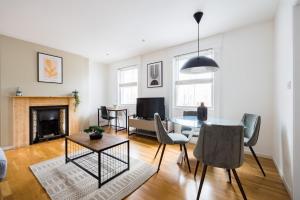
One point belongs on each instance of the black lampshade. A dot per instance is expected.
(199, 64)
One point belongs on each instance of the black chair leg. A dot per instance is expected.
(187, 157)
(202, 181)
(229, 175)
(196, 170)
(157, 150)
(161, 157)
(239, 184)
(252, 151)
(180, 147)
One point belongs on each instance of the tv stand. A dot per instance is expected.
(145, 126)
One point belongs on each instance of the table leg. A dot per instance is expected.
(116, 121)
(98, 118)
(128, 155)
(66, 150)
(126, 119)
(99, 170)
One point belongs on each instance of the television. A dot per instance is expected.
(146, 107)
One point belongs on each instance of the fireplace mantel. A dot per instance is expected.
(20, 115)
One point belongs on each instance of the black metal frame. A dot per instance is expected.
(117, 128)
(31, 108)
(100, 153)
(161, 71)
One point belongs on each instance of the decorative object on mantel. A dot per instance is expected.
(199, 64)
(155, 74)
(50, 68)
(76, 97)
(95, 132)
(19, 93)
(202, 112)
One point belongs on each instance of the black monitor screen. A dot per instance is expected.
(146, 107)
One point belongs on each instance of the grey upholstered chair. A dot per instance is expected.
(165, 138)
(185, 114)
(251, 124)
(221, 146)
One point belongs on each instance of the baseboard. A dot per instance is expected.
(283, 180)
(247, 151)
(7, 148)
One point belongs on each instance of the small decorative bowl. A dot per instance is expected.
(96, 136)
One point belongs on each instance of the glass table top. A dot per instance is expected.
(193, 122)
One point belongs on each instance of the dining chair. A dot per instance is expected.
(165, 138)
(221, 146)
(186, 114)
(251, 124)
(105, 115)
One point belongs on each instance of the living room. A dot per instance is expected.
(104, 69)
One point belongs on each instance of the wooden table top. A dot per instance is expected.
(106, 142)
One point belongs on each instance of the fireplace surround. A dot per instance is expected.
(48, 122)
(20, 123)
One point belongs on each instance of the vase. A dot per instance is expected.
(96, 136)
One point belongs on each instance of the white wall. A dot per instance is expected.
(18, 68)
(296, 155)
(283, 76)
(243, 84)
(98, 89)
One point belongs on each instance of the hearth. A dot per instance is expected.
(48, 122)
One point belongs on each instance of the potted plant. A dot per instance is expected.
(76, 97)
(95, 132)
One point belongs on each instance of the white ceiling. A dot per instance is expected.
(95, 28)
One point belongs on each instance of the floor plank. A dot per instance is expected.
(172, 182)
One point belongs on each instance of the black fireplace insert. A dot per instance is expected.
(48, 122)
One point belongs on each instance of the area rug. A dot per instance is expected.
(69, 182)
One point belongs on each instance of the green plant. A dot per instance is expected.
(76, 97)
(93, 129)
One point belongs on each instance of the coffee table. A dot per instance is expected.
(104, 159)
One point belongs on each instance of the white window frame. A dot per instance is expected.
(192, 81)
(128, 84)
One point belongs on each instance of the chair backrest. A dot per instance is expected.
(104, 113)
(251, 124)
(161, 132)
(222, 146)
(189, 113)
(185, 114)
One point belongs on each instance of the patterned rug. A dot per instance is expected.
(69, 182)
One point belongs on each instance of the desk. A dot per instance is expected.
(193, 122)
(116, 110)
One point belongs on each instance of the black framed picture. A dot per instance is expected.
(155, 74)
(50, 68)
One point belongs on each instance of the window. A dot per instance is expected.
(127, 82)
(192, 89)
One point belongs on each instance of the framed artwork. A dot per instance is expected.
(50, 68)
(155, 74)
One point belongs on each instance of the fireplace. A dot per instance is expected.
(48, 122)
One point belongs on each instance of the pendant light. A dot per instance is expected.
(199, 64)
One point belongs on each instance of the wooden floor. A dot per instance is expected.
(172, 182)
